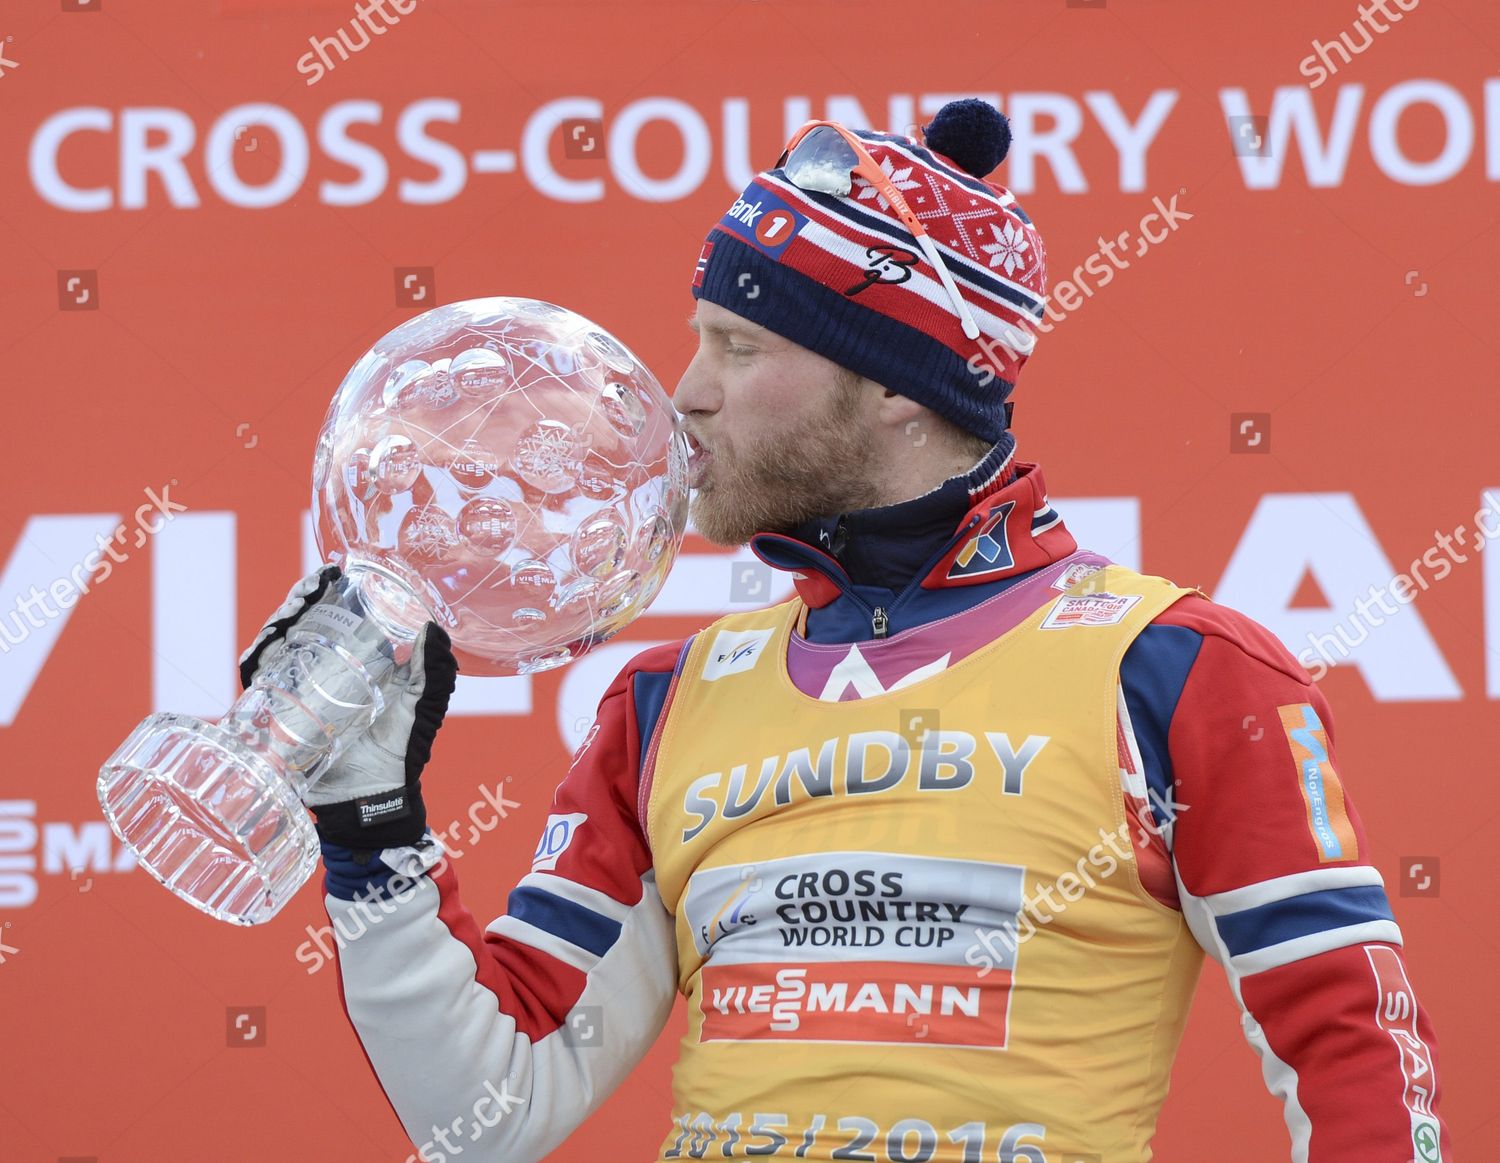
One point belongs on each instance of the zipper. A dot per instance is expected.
(879, 618)
(880, 621)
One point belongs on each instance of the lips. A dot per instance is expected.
(699, 458)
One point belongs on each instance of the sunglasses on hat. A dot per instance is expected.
(824, 158)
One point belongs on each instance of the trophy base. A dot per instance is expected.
(209, 818)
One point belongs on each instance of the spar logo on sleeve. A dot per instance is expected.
(763, 219)
(1396, 1013)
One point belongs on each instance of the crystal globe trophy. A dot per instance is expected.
(500, 466)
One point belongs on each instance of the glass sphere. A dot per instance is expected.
(508, 469)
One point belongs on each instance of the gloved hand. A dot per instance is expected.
(370, 797)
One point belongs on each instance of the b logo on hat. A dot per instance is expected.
(887, 264)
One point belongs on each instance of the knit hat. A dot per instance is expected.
(844, 276)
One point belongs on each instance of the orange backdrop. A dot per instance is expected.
(1284, 400)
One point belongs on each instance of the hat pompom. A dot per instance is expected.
(972, 132)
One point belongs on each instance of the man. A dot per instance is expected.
(934, 849)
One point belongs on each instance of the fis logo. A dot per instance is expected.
(988, 551)
(733, 652)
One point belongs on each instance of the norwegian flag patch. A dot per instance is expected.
(708, 249)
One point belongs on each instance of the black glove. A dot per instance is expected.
(370, 797)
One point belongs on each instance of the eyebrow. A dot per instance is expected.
(738, 326)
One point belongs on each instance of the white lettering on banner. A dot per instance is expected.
(1289, 535)
(1107, 525)
(369, 163)
(740, 163)
(42, 159)
(85, 847)
(1325, 535)
(1293, 113)
(45, 541)
(1458, 129)
(697, 149)
(139, 158)
(1325, 155)
(17, 853)
(1131, 141)
(74, 849)
(412, 136)
(159, 143)
(220, 149)
(536, 161)
(193, 579)
(700, 582)
(1044, 125)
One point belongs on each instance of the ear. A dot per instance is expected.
(908, 422)
(894, 410)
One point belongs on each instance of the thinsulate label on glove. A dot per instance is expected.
(378, 809)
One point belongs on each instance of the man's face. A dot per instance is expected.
(780, 434)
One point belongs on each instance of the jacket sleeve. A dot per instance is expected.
(495, 1042)
(1274, 876)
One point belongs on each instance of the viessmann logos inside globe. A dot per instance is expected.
(90, 158)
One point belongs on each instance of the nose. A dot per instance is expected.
(697, 391)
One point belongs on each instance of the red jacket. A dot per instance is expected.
(1248, 828)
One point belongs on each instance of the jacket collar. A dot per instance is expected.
(988, 524)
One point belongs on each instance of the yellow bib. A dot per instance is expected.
(910, 927)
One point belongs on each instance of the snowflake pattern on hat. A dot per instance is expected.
(1010, 247)
(901, 179)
